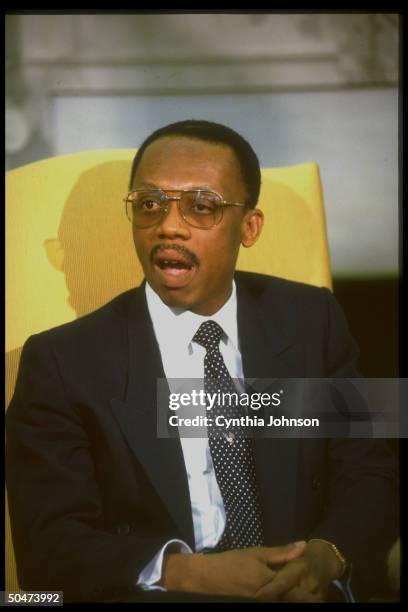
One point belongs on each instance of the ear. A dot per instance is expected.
(55, 253)
(251, 227)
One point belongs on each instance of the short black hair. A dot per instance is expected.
(217, 134)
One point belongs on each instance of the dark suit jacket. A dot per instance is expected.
(93, 492)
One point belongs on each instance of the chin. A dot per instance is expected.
(174, 298)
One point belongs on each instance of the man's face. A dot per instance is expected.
(189, 267)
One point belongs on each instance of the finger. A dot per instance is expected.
(285, 580)
(300, 595)
(282, 554)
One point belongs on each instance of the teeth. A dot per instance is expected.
(174, 264)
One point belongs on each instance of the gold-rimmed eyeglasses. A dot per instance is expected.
(199, 208)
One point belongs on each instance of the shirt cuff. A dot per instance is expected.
(152, 572)
(343, 584)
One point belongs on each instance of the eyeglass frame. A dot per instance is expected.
(165, 208)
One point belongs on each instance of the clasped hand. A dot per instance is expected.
(297, 572)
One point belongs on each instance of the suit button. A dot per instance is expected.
(123, 529)
(316, 483)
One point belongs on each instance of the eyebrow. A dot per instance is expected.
(154, 186)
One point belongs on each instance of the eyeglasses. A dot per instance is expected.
(198, 207)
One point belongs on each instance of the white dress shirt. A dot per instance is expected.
(183, 359)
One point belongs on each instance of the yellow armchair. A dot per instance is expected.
(69, 245)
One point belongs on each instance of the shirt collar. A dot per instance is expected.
(174, 325)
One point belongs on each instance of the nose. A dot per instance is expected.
(172, 224)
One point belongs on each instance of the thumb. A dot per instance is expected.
(282, 554)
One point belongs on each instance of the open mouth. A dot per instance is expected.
(168, 264)
(174, 267)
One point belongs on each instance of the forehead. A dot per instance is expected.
(174, 161)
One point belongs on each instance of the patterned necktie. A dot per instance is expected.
(231, 453)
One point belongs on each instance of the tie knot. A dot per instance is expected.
(209, 335)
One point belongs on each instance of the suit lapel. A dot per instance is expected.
(269, 351)
(161, 458)
(266, 334)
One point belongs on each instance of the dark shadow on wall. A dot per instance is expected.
(371, 306)
(95, 238)
(93, 248)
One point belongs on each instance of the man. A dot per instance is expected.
(102, 508)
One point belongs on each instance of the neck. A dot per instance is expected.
(210, 308)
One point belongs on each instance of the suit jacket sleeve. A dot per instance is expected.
(362, 510)
(60, 540)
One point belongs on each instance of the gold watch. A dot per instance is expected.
(336, 552)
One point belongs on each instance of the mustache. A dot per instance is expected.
(192, 257)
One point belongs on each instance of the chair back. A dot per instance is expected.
(69, 246)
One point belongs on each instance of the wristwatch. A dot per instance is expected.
(336, 552)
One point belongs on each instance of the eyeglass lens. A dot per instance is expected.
(199, 208)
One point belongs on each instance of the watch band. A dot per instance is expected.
(336, 552)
